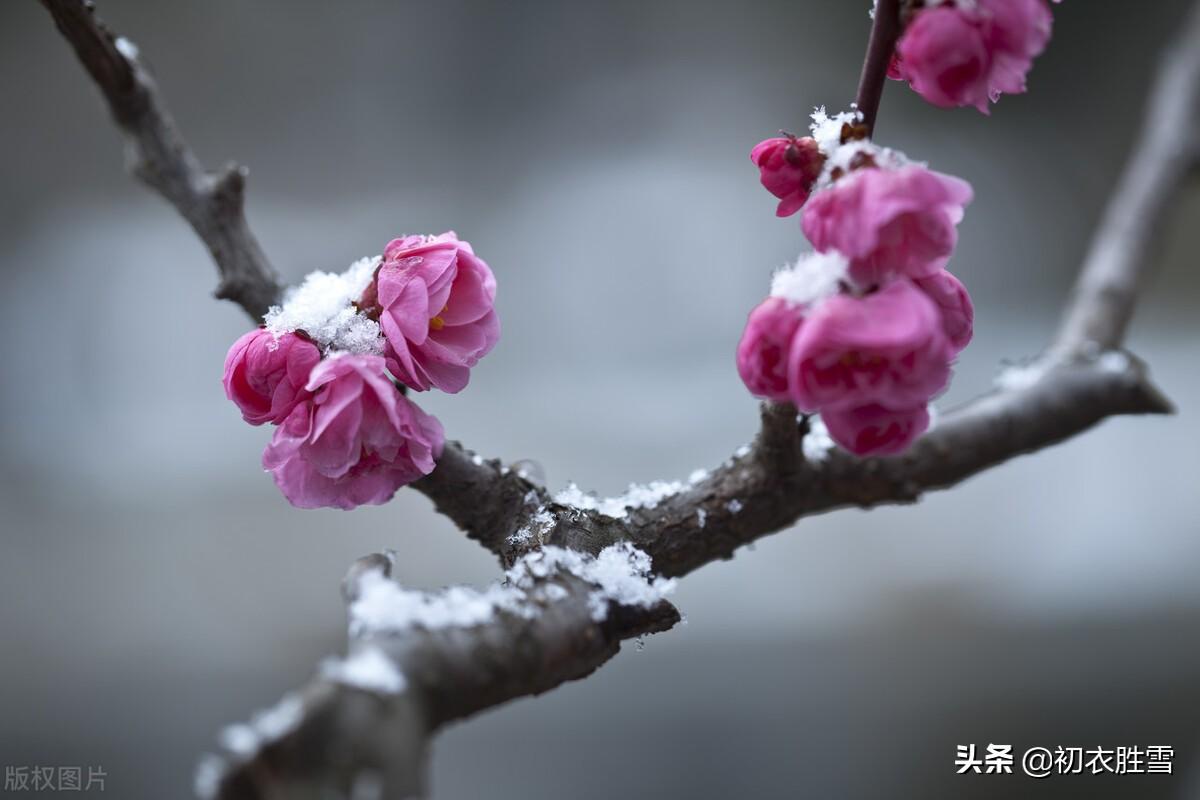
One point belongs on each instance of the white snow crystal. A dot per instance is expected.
(620, 574)
(384, 605)
(817, 442)
(1018, 377)
(814, 277)
(539, 524)
(734, 506)
(697, 475)
(244, 739)
(827, 130)
(369, 669)
(209, 773)
(1114, 361)
(126, 48)
(322, 306)
(742, 451)
(701, 517)
(636, 496)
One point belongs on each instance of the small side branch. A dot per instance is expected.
(1122, 252)
(211, 202)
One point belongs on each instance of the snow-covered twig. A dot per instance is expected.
(419, 660)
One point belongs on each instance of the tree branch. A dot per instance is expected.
(885, 30)
(211, 202)
(1121, 254)
(418, 662)
(545, 628)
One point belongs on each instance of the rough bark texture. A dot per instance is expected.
(345, 737)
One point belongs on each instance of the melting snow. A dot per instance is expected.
(817, 442)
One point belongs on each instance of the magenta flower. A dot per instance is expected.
(888, 221)
(1018, 31)
(958, 313)
(265, 376)
(436, 300)
(886, 348)
(355, 442)
(959, 54)
(762, 354)
(788, 167)
(875, 430)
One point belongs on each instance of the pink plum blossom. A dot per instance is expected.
(888, 221)
(436, 302)
(968, 54)
(788, 166)
(355, 442)
(875, 430)
(265, 376)
(762, 354)
(958, 313)
(886, 348)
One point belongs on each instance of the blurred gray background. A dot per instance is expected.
(156, 586)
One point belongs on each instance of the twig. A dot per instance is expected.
(885, 29)
(1121, 254)
(211, 202)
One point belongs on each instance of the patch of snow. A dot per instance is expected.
(701, 517)
(742, 451)
(636, 496)
(538, 526)
(814, 277)
(1018, 377)
(384, 605)
(734, 506)
(209, 773)
(1114, 361)
(126, 48)
(696, 476)
(244, 739)
(817, 442)
(369, 669)
(323, 307)
(619, 574)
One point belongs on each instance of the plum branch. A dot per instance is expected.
(370, 717)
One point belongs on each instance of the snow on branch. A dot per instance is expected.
(418, 660)
(421, 659)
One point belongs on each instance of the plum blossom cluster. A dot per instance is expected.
(330, 366)
(969, 52)
(863, 330)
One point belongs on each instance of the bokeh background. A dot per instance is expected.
(155, 586)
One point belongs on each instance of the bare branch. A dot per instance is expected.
(1122, 251)
(211, 202)
(885, 30)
